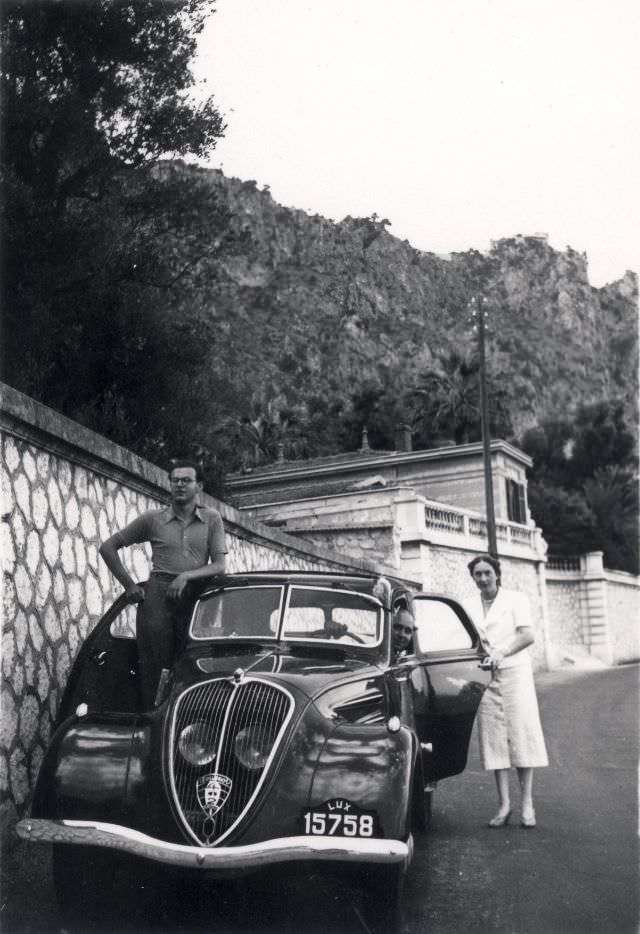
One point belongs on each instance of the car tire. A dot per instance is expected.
(83, 880)
(387, 902)
(421, 804)
(428, 808)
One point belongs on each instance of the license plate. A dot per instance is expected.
(339, 818)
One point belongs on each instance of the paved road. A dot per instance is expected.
(576, 873)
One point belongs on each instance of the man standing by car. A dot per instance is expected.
(187, 544)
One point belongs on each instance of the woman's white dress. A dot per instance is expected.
(509, 727)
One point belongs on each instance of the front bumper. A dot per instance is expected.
(253, 856)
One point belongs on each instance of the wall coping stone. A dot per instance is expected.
(32, 421)
(299, 526)
(36, 423)
(625, 578)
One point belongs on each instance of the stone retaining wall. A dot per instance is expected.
(623, 606)
(64, 490)
(594, 610)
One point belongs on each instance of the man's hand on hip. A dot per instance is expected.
(134, 593)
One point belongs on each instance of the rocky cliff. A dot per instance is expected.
(312, 307)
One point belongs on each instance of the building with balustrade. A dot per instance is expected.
(423, 513)
(396, 504)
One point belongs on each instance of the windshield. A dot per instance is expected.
(311, 613)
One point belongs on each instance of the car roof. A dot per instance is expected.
(365, 583)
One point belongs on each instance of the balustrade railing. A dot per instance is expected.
(444, 519)
(522, 534)
(458, 522)
(563, 562)
(477, 527)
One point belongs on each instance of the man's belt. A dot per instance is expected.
(163, 576)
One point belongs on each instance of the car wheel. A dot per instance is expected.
(387, 902)
(421, 804)
(427, 807)
(83, 879)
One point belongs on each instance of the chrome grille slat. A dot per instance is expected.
(225, 708)
(207, 707)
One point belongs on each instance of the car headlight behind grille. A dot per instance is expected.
(252, 746)
(197, 744)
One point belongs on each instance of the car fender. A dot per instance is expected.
(370, 766)
(98, 767)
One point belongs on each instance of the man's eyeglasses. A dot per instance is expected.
(407, 630)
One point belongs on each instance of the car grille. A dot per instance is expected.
(220, 710)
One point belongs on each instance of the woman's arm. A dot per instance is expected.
(523, 637)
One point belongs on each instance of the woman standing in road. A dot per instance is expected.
(509, 726)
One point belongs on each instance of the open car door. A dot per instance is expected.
(447, 681)
(104, 674)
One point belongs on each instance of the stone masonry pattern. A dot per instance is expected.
(55, 514)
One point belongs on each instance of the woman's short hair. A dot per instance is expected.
(494, 562)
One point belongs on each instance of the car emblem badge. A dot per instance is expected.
(212, 790)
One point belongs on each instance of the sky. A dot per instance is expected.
(459, 121)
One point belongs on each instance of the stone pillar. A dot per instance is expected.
(549, 661)
(596, 620)
(412, 528)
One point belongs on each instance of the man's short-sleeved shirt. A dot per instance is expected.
(177, 546)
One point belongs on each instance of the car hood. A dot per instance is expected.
(309, 672)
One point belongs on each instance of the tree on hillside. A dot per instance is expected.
(612, 496)
(603, 438)
(445, 405)
(103, 245)
(583, 486)
(90, 88)
(267, 429)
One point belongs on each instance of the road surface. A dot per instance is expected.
(576, 873)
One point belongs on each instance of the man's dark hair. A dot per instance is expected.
(185, 462)
(489, 559)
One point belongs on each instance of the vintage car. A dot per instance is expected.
(286, 731)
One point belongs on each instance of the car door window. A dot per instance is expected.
(439, 628)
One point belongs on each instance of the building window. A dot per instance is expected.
(516, 503)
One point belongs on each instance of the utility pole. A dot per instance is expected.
(478, 311)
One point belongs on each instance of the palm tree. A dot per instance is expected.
(446, 402)
(612, 496)
(269, 430)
